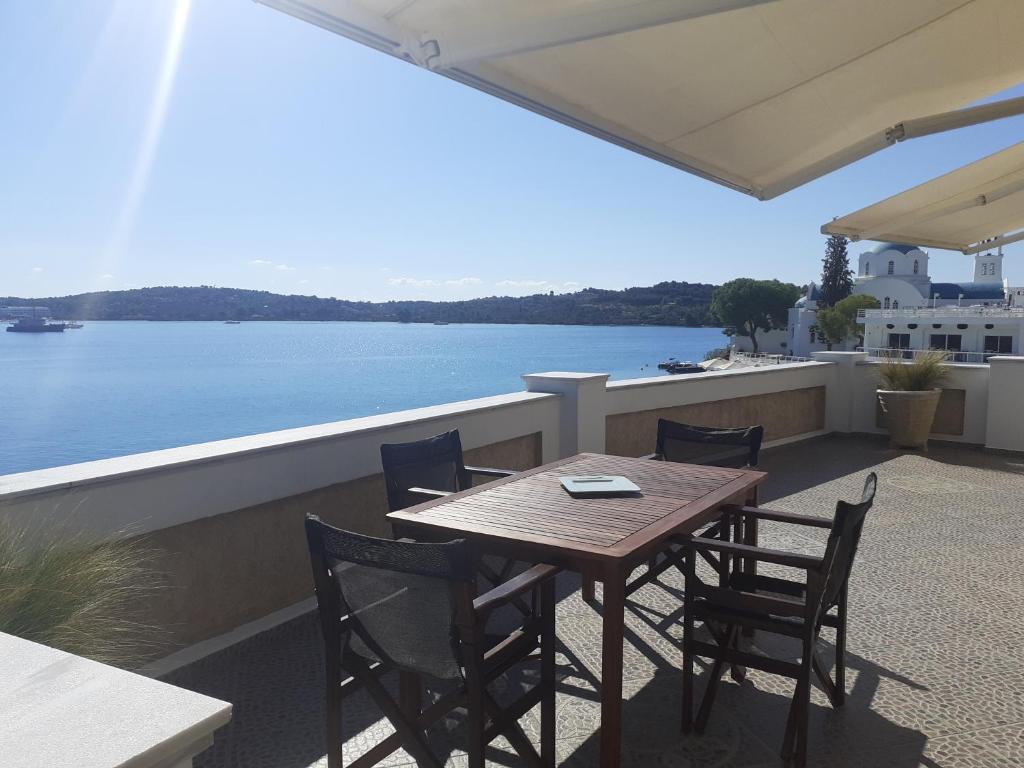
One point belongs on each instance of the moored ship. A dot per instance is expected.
(35, 325)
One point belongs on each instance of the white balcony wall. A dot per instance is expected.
(212, 508)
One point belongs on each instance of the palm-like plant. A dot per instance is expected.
(925, 372)
(78, 594)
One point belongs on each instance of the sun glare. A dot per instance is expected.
(149, 143)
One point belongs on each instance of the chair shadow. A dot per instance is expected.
(747, 724)
(855, 721)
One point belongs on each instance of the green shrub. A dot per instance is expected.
(722, 352)
(78, 594)
(926, 371)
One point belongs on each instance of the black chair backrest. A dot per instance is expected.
(843, 540)
(397, 598)
(720, 446)
(435, 463)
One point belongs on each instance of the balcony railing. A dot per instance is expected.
(1016, 312)
(761, 358)
(910, 354)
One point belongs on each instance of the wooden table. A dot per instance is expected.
(530, 517)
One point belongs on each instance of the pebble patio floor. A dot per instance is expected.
(935, 642)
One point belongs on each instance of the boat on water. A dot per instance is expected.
(684, 367)
(440, 322)
(72, 325)
(35, 325)
(232, 322)
(664, 365)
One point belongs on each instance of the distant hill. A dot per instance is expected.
(669, 303)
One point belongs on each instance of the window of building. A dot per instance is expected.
(867, 267)
(917, 266)
(887, 304)
(1002, 345)
(892, 267)
(899, 341)
(895, 303)
(950, 341)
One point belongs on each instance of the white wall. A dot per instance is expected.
(149, 491)
(774, 342)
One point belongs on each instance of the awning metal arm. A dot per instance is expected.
(908, 129)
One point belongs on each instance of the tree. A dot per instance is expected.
(751, 305)
(849, 307)
(836, 275)
(832, 325)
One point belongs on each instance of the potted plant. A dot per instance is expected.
(909, 393)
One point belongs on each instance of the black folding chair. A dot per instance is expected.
(795, 608)
(428, 469)
(413, 607)
(717, 446)
(434, 468)
(713, 446)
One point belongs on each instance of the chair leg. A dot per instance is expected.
(803, 704)
(547, 675)
(409, 694)
(335, 741)
(714, 678)
(789, 737)
(651, 565)
(840, 697)
(477, 717)
(588, 588)
(413, 738)
(687, 715)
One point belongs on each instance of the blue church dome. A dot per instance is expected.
(901, 247)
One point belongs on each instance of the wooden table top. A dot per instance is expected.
(533, 508)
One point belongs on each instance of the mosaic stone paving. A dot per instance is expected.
(935, 644)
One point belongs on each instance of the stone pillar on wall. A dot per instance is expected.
(841, 393)
(1004, 429)
(582, 408)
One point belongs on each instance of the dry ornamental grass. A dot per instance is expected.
(80, 595)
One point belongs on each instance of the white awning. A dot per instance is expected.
(971, 209)
(759, 95)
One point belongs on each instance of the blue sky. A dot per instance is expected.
(271, 154)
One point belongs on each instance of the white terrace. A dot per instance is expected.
(225, 517)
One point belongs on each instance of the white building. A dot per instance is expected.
(972, 318)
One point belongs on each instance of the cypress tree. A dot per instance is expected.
(836, 275)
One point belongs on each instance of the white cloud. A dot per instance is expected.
(571, 284)
(107, 276)
(412, 281)
(260, 262)
(464, 281)
(284, 268)
(37, 269)
(326, 269)
(522, 283)
(303, 282)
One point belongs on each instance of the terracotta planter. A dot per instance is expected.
(909, 416)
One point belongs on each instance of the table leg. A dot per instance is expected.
(749, 566)
(612, 621)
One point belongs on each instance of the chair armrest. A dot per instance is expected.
(427, 493)
(652, 457)
(781, 517)
(513, 588)
(790, 559)
(489, 472)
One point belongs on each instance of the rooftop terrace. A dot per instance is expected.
(934, 680)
